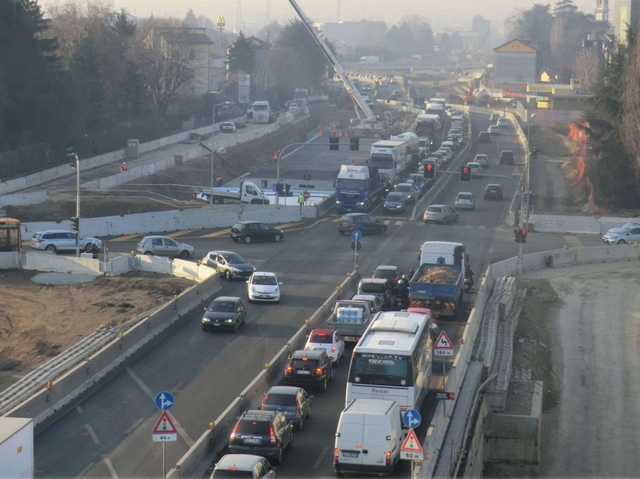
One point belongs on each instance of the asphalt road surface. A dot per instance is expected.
(109, 434)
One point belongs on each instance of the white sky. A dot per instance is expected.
(453, 13)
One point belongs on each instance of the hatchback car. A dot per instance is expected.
(164, 246)
(465, 200)
(224, 312)
(503, 123)
(263, 286)
(327, 340)
(395, 203)
(246, 466)
(363, 222)
(264, 433)
(494, 130)
(506, 157)
(229, 264)
(58, 241)
(482, 160)
(493, 192)
(291, 401)
(375, 303)
(631, 224)
(440, 214)
(309, 368)
(484, 137)
(475, 168)
(228, 127)
(622, 236)
(248, 231)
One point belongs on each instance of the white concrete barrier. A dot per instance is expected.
(61, 264)
(566, 224)
(9, 260)
(608, 253)
(19, 199)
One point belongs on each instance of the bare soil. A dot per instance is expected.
(37, 322)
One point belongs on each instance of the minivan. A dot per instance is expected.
(369, 437)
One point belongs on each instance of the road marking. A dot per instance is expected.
(573, 241)
(112, 470)
(399, 222)
(217, 234)
(386, 222)
(92, 434)
(148, 392)
(305, 227)
(133, 426)
(286, 225)
(127, 237)
(79, 409)
(85, 470)
(177, 234)
(337, 220)
(321, 457)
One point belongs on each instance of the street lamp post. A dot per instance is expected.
(213, 149)
(526, 181)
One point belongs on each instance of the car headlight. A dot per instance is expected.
(361, 204)
(338, 202)
(205, 320)
(229, 321)
(276, 290)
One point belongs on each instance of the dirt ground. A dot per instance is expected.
(37, 321)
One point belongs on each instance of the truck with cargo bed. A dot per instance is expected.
(350, 318)
(248, 192)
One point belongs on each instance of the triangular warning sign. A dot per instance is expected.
(443, 342)
(164, 425)
(411, 443)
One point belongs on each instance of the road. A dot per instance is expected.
(108, 434)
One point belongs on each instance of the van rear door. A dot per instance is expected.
(349, 442)
(376, 444)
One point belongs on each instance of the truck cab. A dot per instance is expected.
(357, 187)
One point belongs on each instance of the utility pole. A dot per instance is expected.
(526, 180)
(75, 221)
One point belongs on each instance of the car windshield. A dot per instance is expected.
(252, 427)
(350, 183)
(348, 219)
(260, 107)
(403, 188)
(233, 258)
(222, 307)
(263, 279)
(322, 338)
(394, 197)
(281, 399)
(385, 274)
(434, 209)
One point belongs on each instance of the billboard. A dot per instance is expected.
(244, 88)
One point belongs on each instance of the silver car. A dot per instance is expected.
(229, 264)
(58, 241)
(164, 246)
(441, 214)
(482, 160)
(628, 226)
(622, 236)
(465, 200)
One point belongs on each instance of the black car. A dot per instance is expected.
(263, 433)
(225, 312)
(248, 231)
(309, 368)
(484, 137)
(293, 402)
(229, 264)
(364, 222)
(493, 192)
(506, 157)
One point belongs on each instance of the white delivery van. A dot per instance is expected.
(369, 437)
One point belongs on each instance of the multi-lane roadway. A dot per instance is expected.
(109, 433)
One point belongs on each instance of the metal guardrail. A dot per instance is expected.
(53, 368)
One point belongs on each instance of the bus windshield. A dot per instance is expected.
(381, 369)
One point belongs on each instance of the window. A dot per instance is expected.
(264, 227)
(169, 242)
(321, 338)
(71, 236)
(254, 227)
(251, 191)
(281, 399)
(156, 241)
(247, 426)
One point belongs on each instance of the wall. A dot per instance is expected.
(577, 224)
(20, 199)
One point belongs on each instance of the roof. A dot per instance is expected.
(390, 332)
(386, 266)
(374, 280)
(186, 35)
(258, 415)
(301, 353)
(255, 42)
(263, 273)
(284, 390)
(322, 331)
(11, 425)
(515, 46)
(227, 298)
(243, 462)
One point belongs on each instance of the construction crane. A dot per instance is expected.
(369, 120)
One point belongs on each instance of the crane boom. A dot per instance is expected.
(348, 84)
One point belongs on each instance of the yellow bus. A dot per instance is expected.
(10, 234)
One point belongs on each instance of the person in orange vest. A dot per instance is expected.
(276, 155)
(123, 168)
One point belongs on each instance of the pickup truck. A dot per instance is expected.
(350, 318)
(248, 192)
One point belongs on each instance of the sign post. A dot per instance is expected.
(356, 236)
(164, 431)
(444, 348)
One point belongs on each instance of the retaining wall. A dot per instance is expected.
(20, 199)
(9, 260)
(576, 224)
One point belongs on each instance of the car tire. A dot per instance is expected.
(277, 238)
(383, 229)
(88, 247)
(184, 254)
(52, 249)
(444, 221)
(621, 242)
(323, 388)
(149, 253)
(227, 275)
(300, 423)
(217, 201)
(278, 459)
(247, 239)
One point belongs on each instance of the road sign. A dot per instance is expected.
(306, 195)
(164, 400)
(356, 235)
(444, 346)
(411, 447)
(307, 177)
(356, 245)
(411, 418)
(164, 430)
(450, 396)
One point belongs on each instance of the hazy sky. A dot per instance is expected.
(456, 12)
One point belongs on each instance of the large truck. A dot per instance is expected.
(357, 188)
(370, 59)
(248, 192)
(427, 125)
(301, 97)
(435, 108)
(438, 284)
(16, 448)
(441, 100)
(390, 157)
(262, 112)
(350, 318)
(413, 146)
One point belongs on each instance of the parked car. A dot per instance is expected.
(309, 368)
(622, 236)
(484, 137)
(494, 130)
(327, 340)
(248, 231)
(475, 168)
(264, 433)
(503, 123)
(59, 241)
(364, 222)
(243, 465)
(395, 203)
(262, 286)
(293, 402)
(440, 214)
(229, 264)
(482, 160)
(465, 200)
(506, 157)
(493, 191)
(224, 312)
(164, 246)
(228, 127)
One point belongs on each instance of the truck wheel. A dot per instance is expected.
(247, 239)
(217, 201)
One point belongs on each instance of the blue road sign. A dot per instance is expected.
(164, 400)
(411, 418)
(356, 235)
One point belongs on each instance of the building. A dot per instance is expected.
(260, 59)
(364, 33)
(515, 64)
(601, 13)
(625, 15)
(218, 73)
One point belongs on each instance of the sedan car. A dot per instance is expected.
(482, 160)
(494, 130)
(506, 157)
(293, 402)
(503, 123)
(225, 312)
(441, 214)
(395, 203)
(243, 465)
(313, 368)
(493, 191)
(228, 127)
(327, 340)
(622, 236)
(484, 137)
(248, 231)
(58, 241)
(229, 264)
(363, 222)
(475, 168)
(263, 286)
(465, 200)
(164, 246)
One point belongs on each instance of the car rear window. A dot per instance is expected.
(253, 427)
(304, 363)
(281, 399)
(434, 209)
(464, 197)
(37, 235)
(372, 288)
(232, 474)
(493, 188)
(348, 218)
(322, 338)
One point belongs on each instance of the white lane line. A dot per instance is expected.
(79, 409)
(112, 470)
(190, 442)
(85, 470)
(92, 434)
(321, 457)
(133, 426)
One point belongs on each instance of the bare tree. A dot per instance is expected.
(586, 68)
(630, 130)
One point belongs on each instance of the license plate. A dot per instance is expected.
(216, 324)
(318, 349)
(349, 454)
(252, 440)
(303, 372)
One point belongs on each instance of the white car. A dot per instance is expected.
(482, 160)
(476, 169)
(228, 127)
(503, 123)
(627, 226)
(465, 200)
(262, 286)
(622, 236)
(326, 340)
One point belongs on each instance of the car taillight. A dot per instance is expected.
(318, 371)
(264, 403)
(233, 433)
(336, 454)
(388, 458)
(288, 371)
(272, 434)
(38, 240)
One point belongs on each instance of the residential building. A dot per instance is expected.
(218, 72)
(515, 64)
(261, 63)
(625, 15)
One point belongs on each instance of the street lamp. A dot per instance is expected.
(213, 149)
(527, 181)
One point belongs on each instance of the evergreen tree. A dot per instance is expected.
(240, 56)
(89, 77)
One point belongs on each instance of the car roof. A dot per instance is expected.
(156, 236)
(480, 154)
(289, 390)
(404, 183)
(258, 415)
(243, 462)
(227, 298)
(302, 353)
(247, 222)
(54, 231)
(465, 193)
(373, 280)
(368, 297)
(387, 266)
(506, 151)
(264, 273)
(356, 214)
(494, 184)
(435, 205)
(222, 252)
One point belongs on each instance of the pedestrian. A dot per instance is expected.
(301, 201)
(123, 167)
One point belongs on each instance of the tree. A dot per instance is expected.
(240, 56)
(190, 19)
(586, 68)
(631, 104)
(271, 32)
(88, 75)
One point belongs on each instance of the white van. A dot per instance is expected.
(369, 437)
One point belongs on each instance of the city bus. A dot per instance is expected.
(10, 234)
(393, 360)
